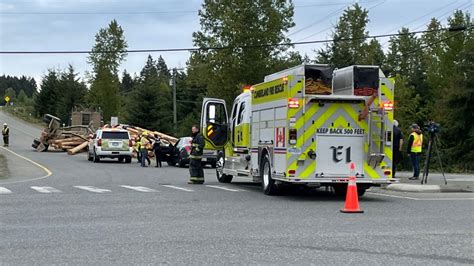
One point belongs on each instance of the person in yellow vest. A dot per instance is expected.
(415, 143)
(136, 147)
(6, 134)
(144, 144)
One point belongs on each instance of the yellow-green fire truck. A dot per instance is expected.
(305, 125)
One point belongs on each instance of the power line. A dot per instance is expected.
(317, 21)
(461, 7)
(425, 15)
(309, 36)
(194, 49)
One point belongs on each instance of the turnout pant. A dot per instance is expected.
(5, 140)
(397, 157)
(415, 160)
(195, 171)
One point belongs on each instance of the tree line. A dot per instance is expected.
(433, 71)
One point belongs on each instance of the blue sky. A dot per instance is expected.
(153, 24)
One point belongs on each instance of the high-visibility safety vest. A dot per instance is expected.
(5, 131)
(417, 142)
(144, 142)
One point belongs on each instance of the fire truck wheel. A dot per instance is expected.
(268, 183)
(361, 190)
(221, 177)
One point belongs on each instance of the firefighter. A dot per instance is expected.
(6, 134)
(415, 142)
(195, 167)
(397, 146)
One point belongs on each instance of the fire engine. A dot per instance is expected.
(305, 125)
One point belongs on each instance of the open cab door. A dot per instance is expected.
(214, 123)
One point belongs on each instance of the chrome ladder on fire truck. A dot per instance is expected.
(376, 136)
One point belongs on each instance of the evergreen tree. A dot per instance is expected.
(22, 97)
(108, 52)
(349, 47)
(104, 93)
(127, 82)
(454, 88)
(143, 108)
(45, 100)
(71, 92)
(233, 24)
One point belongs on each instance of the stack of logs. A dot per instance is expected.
(73, 145)
(136, 132)
(78, 141)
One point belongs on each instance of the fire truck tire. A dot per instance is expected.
(268, 183)
(221, 177)
(361, 190)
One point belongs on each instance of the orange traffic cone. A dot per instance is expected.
(352, 199)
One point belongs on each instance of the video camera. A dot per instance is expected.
(432, 127)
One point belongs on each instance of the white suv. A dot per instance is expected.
(111, 143)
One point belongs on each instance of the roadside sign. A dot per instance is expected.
(113, 121)
(7, 98)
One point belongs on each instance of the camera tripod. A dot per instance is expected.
(432, 143)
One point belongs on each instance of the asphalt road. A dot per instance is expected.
(111, 213)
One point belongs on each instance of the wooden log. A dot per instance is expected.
(58, 141)
(78, 148)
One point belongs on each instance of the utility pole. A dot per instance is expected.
(175, 115)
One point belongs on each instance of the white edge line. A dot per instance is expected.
(419, 199)
(48, 172)
(178, 188)
(391, 196)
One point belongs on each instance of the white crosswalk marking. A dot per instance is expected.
(4, 190)
(46, 189)
(179, 188)
(139, 188)
(225, 188)
(93, 189)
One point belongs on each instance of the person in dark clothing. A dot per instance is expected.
(157, 150)
(195, 167)
(397, 147)
(6, 134)
(415, 143)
